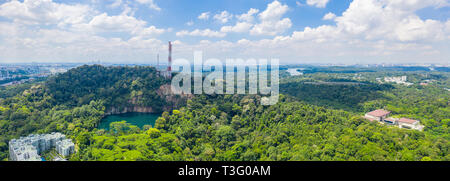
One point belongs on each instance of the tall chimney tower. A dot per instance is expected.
(157, 61)
(169, 67)
(157, 65)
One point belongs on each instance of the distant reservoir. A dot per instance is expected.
(136, 119)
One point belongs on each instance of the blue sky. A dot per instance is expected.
(294, 31)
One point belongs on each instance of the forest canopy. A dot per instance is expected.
(312, 120)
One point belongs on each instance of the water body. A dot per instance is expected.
(137, 119)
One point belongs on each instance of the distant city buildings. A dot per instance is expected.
(29, 148)
(382, 116)
(57, 70)
(398, 80)
(13, 74)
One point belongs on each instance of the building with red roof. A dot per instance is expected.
(410, 124)
(379, 115)
(382, 116)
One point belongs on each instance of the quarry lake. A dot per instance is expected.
(137, 119)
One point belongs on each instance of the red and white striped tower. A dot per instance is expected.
(169, 68)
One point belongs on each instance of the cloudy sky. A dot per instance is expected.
(295, 31)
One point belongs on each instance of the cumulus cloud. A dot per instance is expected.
(150, 3)
(119, 23)
(43, 30)
(271, 20)
(150, 31)
(249, 16)
(329, 16)
(299, 4)
(190, 23)
(124, 22)
(378, 19)
(240, 27)
(373, 20)
(369, 31)
(45, 12)
(116, 4)
(223, 17)
(204, 33)
(244, 24)
(204, 16)
(318, 3)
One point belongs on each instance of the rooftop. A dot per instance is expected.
(406, 120)
(379, 113)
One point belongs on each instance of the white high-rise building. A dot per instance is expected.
(29, 148)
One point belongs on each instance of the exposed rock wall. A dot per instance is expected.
(172, 101)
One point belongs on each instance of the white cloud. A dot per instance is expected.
(373, 20)
(204, 16)
(150, 3)
(271, 22)
(369, 31)
(299, 4)
(116, 4)
(381, 19)
(124, 22)
(223, 17)
(190, 23)
(43, 30)
(149, 31)
(240, 27)
(45, 12)
(203, 33)
(329, 16)
(447, 29)
(244, 24)
(119, 23)
(318, 3)
(373, 30)
(249, 16)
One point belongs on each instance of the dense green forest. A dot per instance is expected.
(114, 85)
(326, 125)
(75, 101)
(339, 95)
(237, 128)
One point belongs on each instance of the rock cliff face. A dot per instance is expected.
(172, 101)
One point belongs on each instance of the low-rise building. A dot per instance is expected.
(410, 124)
(382, 116)
(377, 115)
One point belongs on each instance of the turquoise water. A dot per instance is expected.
(137, 119)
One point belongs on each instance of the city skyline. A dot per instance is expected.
(296, 32)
